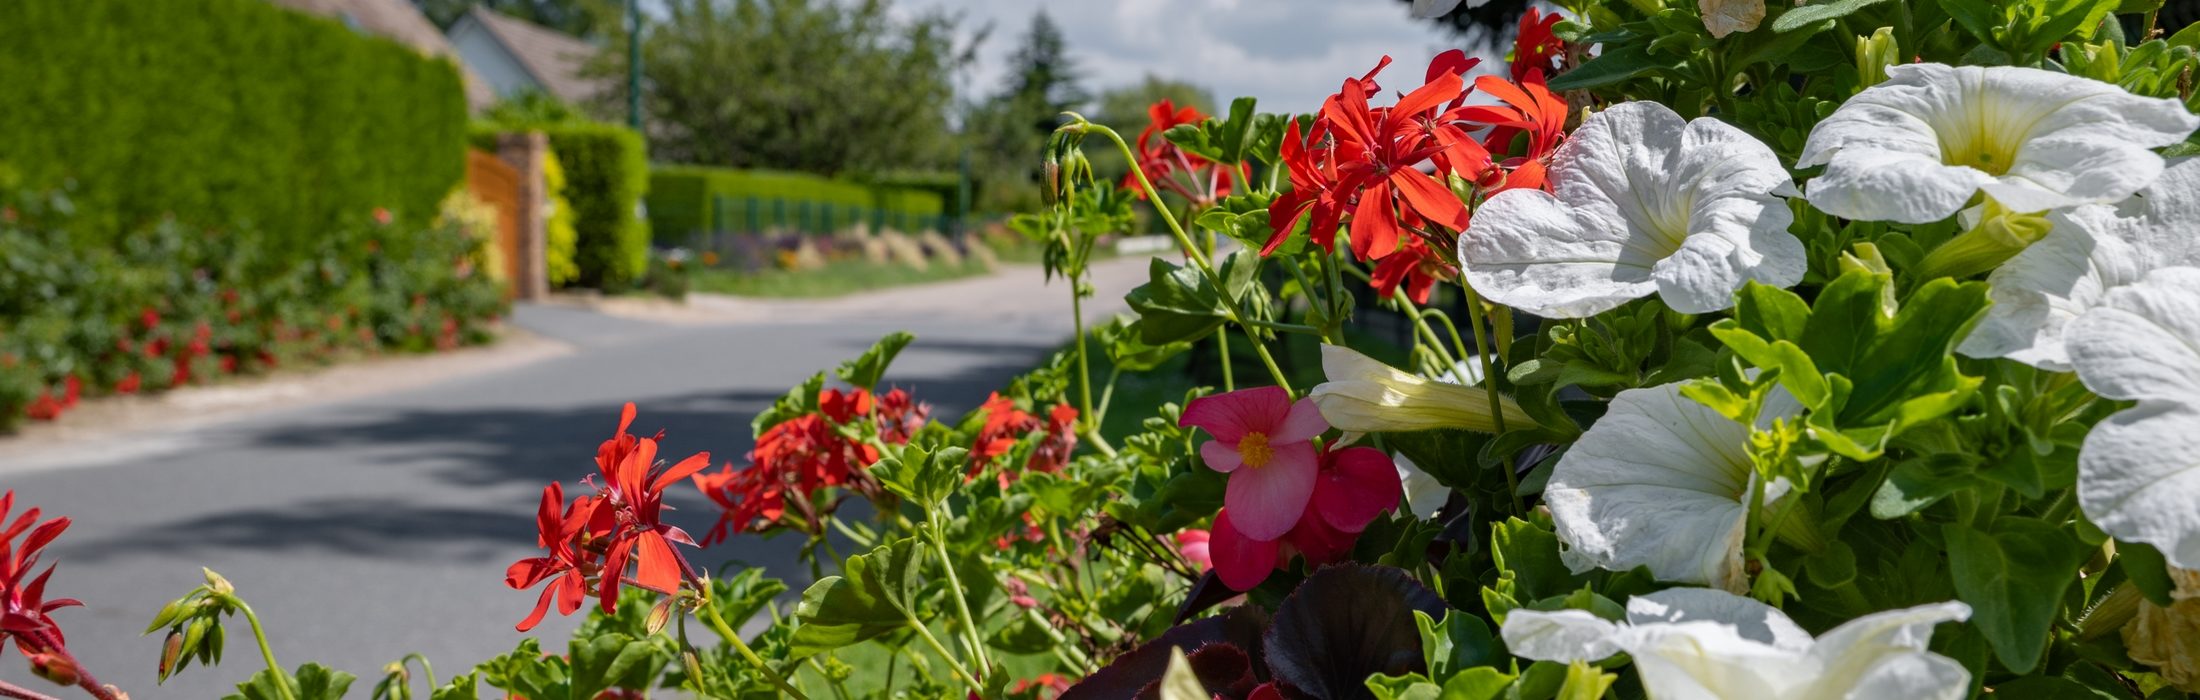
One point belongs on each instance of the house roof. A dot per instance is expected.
(400, 21)
(554, 59)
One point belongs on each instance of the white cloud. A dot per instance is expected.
(1289, 53)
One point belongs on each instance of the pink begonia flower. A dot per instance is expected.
(1193, 545)
(1357, 485)
(1265, 443)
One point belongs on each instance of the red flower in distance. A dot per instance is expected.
(900, 416)
(1203, 181)
(803, 455)
(1006, 425)
(23, 607)
(560, 529)
(1536, 50)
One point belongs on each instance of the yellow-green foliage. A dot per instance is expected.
(561, 239)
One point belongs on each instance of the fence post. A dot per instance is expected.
(524, 152)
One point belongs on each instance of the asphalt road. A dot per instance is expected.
(367, 528)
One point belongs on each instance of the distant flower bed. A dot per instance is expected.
(174, 305)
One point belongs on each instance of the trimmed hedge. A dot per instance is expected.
(224, 113)
(686, 199)
(606, 175)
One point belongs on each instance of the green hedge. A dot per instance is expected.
(687, 199)
(224, 113)
(606, 175)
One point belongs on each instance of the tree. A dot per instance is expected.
(821, 86)
(1008, 132)
(574, 17)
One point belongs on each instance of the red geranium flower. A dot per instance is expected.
(23, 607)
(1416, 265)
(560, 529)
(900, 416)
(1526, 108)
(1536, 50)
(1006, 425)
(1362, 163)
(1203, 181)
(802, 454)
(632, 499)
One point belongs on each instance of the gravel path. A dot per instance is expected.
(369, 512)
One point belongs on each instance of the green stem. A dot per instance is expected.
(1283, 327)
(427, 672)
(259, 634)
(962, 604)
(839, 690)
(1489, 386)
(1077, 658)
(941, 649)
(1184, 240)
(1458, 343)
(862, 540)
(1084, 366)
(709, 614)
(1222, 347)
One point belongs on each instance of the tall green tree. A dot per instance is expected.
(1008, 131)
(575, 17)
(822, 86)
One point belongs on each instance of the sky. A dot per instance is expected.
(1288, 53)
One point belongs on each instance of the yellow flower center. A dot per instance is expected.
(1253, 449)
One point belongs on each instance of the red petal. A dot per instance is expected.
(660, 566)
(1357, 485)
(542, 605)
(1430, 199)
(1374, 226)
(694, 463)
(1240, 562)
(525, 573)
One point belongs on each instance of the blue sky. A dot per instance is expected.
(1288, 53)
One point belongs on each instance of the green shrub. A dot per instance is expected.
(684, 200)
(560, 240)
(224, 112)
(606, 174)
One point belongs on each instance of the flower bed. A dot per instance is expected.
(174, 306)
(1794, 364)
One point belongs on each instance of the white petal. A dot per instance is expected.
(1882, 655)
(2091, 250)
(1563, 635)
(1914, 148)
(1633, 189)
(1753, 620)
(2139, 478)
(2139, 470)
(1659, 481)
(1710, 661)
(2143, 341)
(1424, 494)
(1914, 676)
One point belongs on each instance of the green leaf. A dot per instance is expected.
(1410, 687)
(2147, 570)
(1179, 683)
(797, 401)
(925, 478)
(1461, 641)
(868, 599)
(312, 682)
(1175, 304)
(1920, 482)
(461, 688)
(2013, 578)
(1478, 683)
(1527, 554)
(864, 372)
(1616, 65)
(1816, 12)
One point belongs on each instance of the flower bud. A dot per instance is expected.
(170, 651)
(217, 584)
(54, 667)
(659, 614)
(1364, 395)
(1873, 55)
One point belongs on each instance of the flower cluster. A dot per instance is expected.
(1169, 167)
(1006, 425)
(1284, 488)
(592, 539)
(800, 457)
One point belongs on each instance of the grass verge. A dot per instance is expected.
(837, 278)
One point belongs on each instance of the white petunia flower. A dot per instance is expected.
(1703, 644)
(1914, 149)
(2139, 470)
(2093, 249)
(1661, 481)
(1646, 203)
